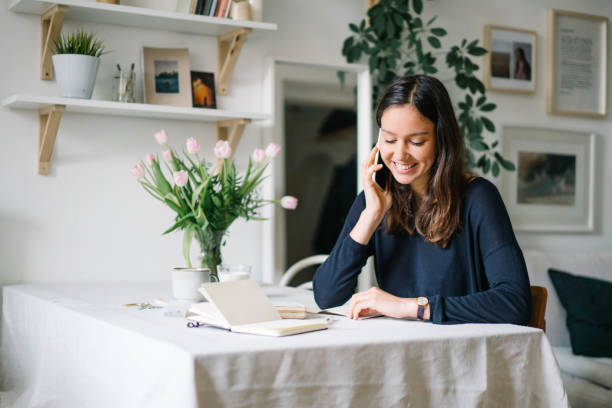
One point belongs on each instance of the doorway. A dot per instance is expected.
(322, 121)
(320, 165)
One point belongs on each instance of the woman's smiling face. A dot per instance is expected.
(408, 145)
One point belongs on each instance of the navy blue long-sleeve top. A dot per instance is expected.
(480, 277)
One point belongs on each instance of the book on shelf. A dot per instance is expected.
(242, 306)
(228, 7)
(213, 8)
(207, 7)
(193, 6)
(223, 8)
(200, 7)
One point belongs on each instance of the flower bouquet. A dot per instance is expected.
(206, 198)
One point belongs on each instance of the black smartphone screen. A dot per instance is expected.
(381, 177)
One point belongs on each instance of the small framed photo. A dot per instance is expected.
(510, 64)
(552, 188)
(166, 76)
(203, 90)
(577, 64)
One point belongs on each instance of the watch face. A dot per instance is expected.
(422, 301)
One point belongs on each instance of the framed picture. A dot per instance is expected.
(552, 187)
(577, 64)
(166, 76)
(203, 90)
(510, 64)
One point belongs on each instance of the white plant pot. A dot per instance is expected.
(187, 281)
(75, 74)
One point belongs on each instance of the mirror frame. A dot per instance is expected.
(273, 244)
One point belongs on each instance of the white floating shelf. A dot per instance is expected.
(230, 124)
(130, 16)
(98, 107)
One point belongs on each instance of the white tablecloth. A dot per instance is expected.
(77, 346)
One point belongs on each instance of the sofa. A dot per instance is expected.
(588, 380)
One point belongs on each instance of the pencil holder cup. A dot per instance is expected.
(123, 86)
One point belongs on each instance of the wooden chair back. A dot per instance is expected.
(539, 295)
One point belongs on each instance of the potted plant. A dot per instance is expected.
(76, 61)
(207, 199)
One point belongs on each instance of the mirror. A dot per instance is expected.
(322, 118)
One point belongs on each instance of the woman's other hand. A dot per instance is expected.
(377, 301)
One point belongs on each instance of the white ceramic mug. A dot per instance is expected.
(187, 281)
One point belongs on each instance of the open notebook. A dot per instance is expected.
(242, 306)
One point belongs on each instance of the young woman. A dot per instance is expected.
(522, 69)
(442, 241)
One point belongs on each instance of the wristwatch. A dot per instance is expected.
(422, 302)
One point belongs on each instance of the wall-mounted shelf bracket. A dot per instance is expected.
(51, 27)
(48, 123)
(229, 48)
(235, 128)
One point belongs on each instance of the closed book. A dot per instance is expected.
(291, 311)
(344, 311)
(207, 6)
(221, 9)
(242, 306)
(199, 6)
(213, 8)
(227, 8)
(193, 6)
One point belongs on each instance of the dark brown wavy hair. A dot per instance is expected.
(436, 216)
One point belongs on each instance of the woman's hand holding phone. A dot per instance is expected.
(378, 201)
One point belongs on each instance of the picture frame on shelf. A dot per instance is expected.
(510, 64)
(166, 76)
(552, 188)
(577, 64)
(203, 90)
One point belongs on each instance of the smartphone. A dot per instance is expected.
(380, 177)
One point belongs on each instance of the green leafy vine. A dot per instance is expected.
(398, 42)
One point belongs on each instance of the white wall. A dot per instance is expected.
(89, 220)
(466, 19)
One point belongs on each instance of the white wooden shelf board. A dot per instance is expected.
(99, 107)
(130, 16)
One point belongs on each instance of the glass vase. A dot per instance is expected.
(210, 250)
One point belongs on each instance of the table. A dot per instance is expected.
(78, 346)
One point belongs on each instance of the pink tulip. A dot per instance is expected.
(137, 171)
(193, 146)
(150, 158)
(167, 154)
(180, 178)
(273, 150)
(289, 202)
(161, 137)
(259, 155)
(222, 149)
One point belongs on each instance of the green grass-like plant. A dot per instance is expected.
(79, 42)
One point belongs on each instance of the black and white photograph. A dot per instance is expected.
(551, 189)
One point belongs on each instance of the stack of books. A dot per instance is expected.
(212, 8)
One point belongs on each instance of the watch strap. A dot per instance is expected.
(420, 312)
